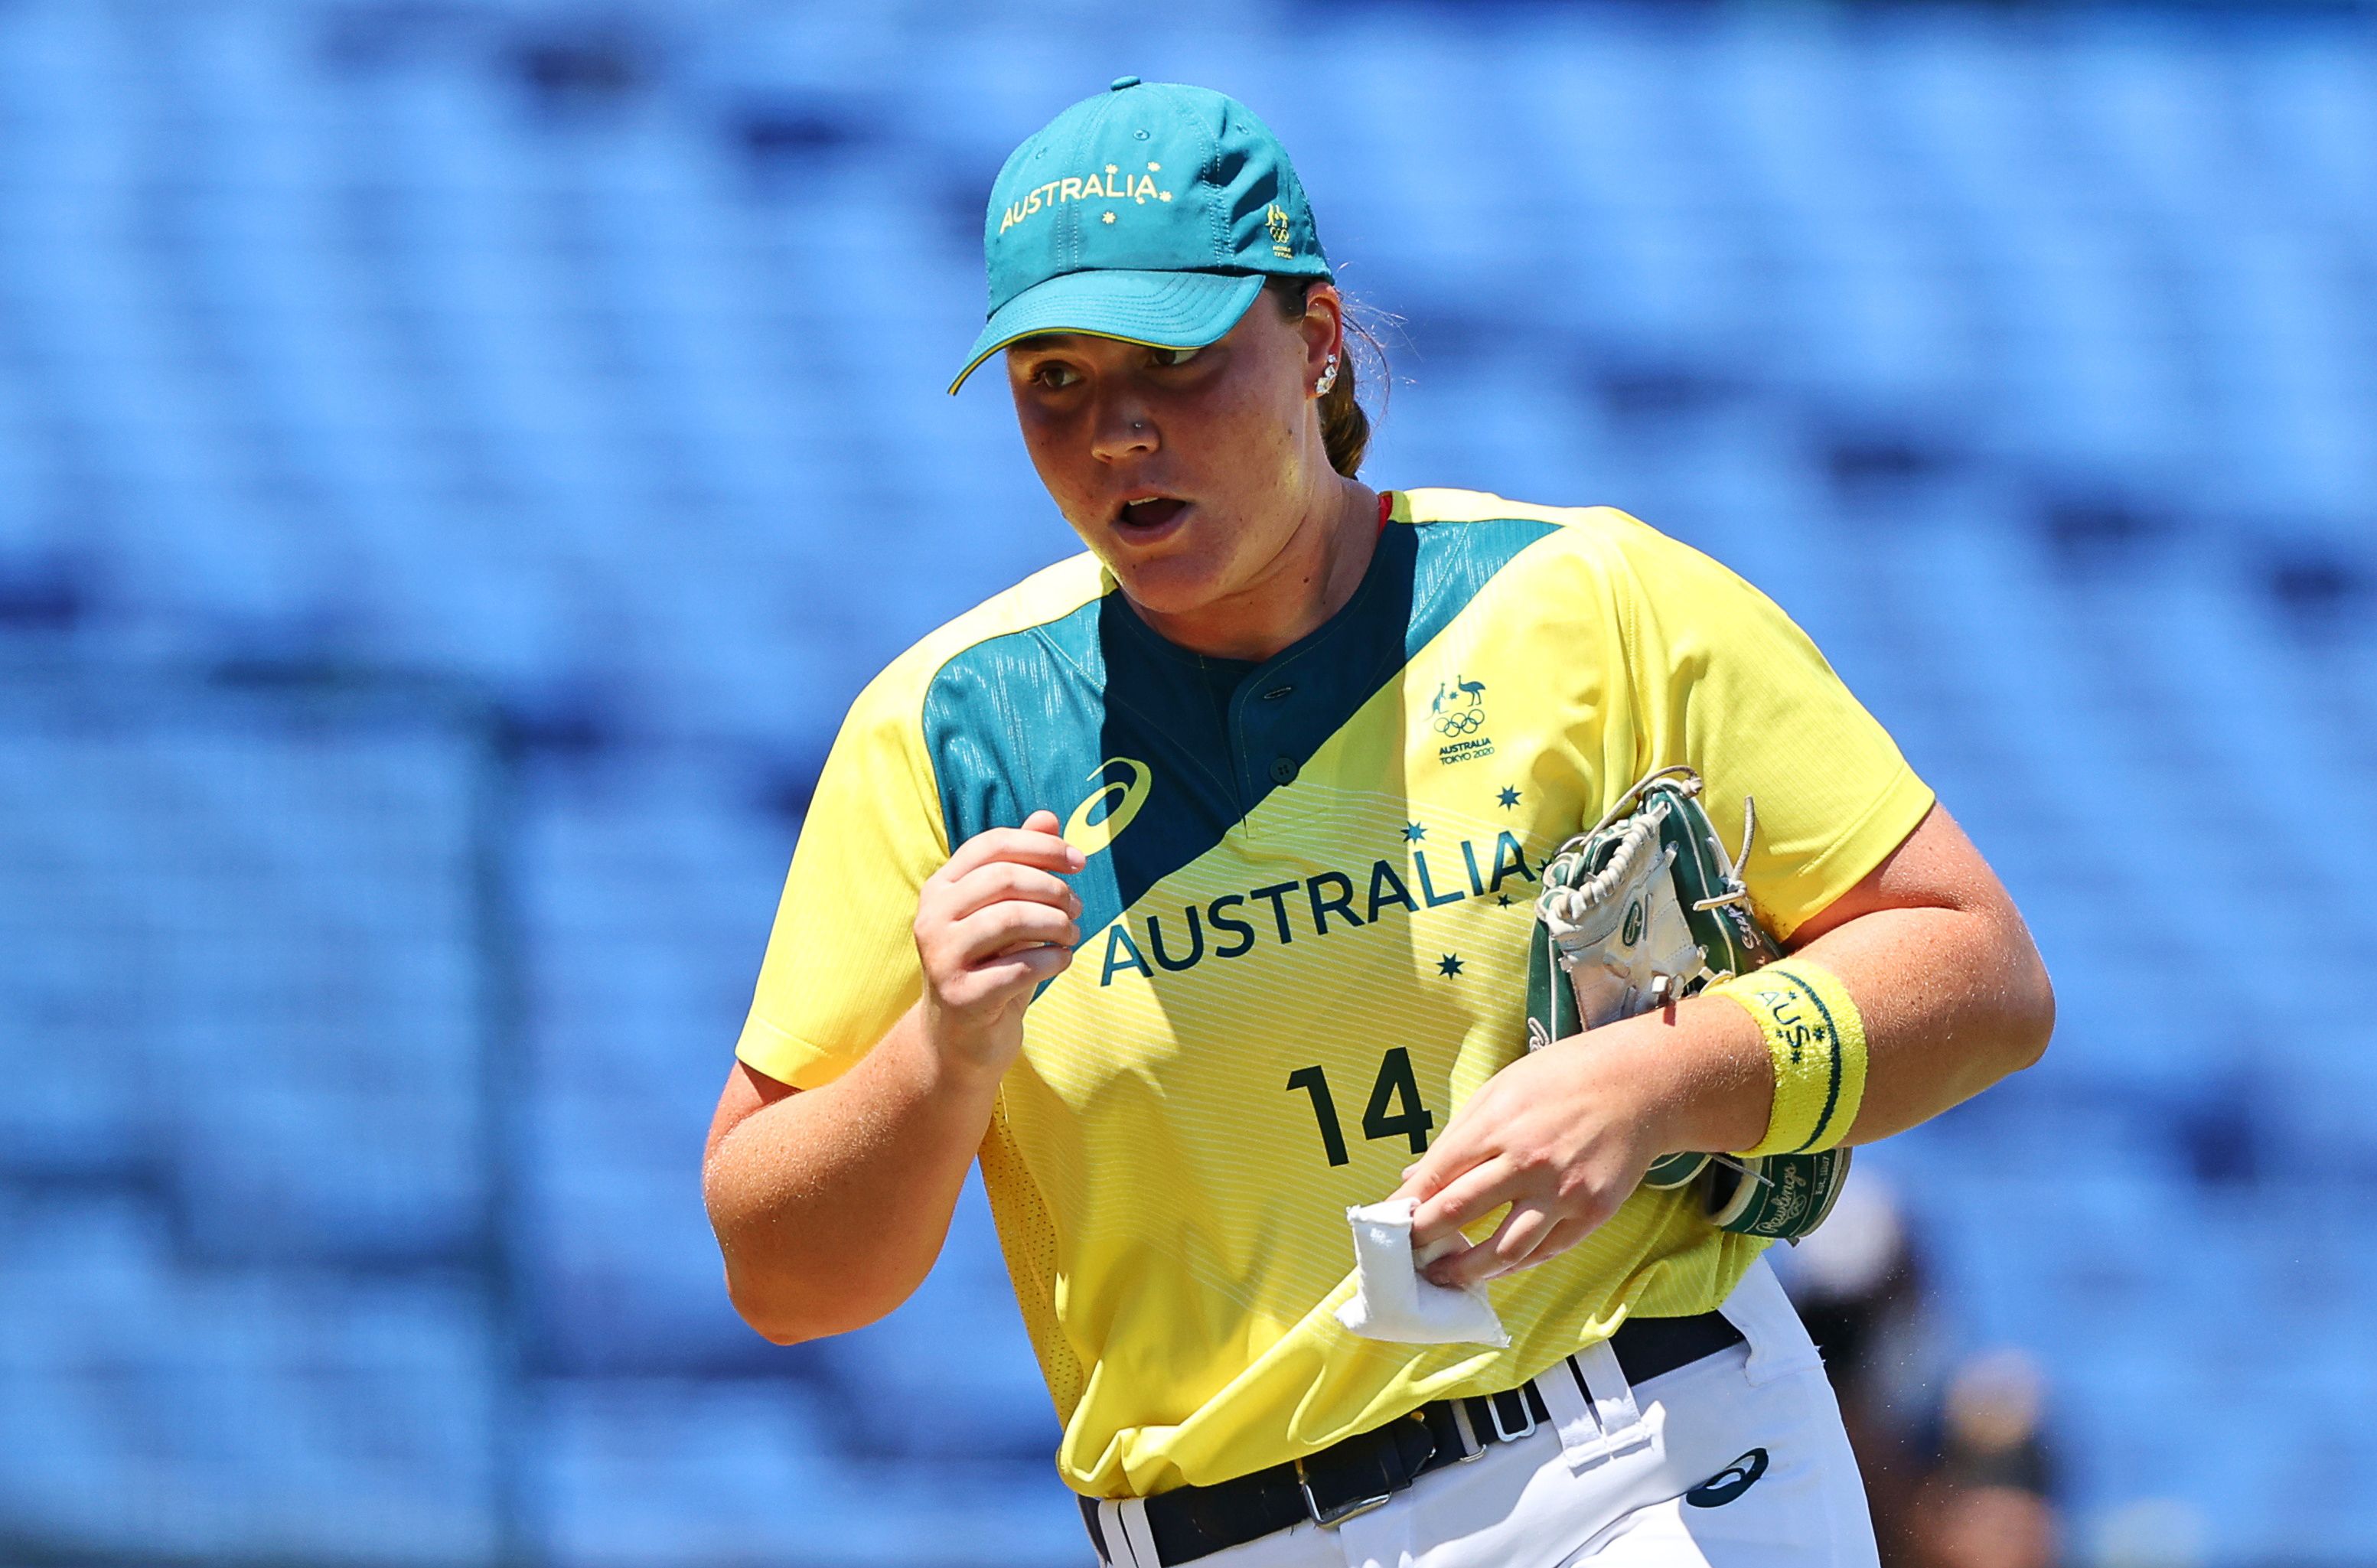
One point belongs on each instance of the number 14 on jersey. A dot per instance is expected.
(1394, 1110)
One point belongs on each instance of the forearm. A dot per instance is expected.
(1955, 1000)
(1952, 1000)
(831, 1205)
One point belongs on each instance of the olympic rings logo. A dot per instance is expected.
(1468, 721)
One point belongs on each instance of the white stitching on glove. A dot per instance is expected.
(1623, 937)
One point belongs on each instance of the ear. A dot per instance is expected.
(1323, 328)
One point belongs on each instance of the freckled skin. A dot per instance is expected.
(1277, 539)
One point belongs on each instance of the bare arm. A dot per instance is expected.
(1953, 992)
(1944, 973)
(831, 1205)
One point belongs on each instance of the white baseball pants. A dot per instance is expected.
(1736, 1460)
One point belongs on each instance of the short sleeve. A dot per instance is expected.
(1724, 680)
(842, 966)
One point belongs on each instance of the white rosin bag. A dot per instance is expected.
(1390, 1299)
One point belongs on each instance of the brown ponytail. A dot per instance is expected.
(1344, 428)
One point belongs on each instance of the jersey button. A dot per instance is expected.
(1282, 770)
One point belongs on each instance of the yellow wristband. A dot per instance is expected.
(1816, 1039)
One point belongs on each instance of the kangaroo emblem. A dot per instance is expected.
(1474, 689)
(1454, 718)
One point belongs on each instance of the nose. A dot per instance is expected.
(1122, 430)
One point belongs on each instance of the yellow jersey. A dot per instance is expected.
(1307, 903)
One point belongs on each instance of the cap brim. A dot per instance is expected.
(1164, 310)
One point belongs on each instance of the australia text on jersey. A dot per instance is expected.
(1329, 898)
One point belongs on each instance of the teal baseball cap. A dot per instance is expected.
(1152, 212)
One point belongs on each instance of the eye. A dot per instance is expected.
(1172, 358)
(1044, 370)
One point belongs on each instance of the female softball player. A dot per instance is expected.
(1188, 884)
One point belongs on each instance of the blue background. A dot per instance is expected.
(458, 459)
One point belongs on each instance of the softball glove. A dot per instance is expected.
(1646, 909)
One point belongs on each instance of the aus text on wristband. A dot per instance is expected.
(1817, 1040)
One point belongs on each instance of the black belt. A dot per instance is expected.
(1358, 1473)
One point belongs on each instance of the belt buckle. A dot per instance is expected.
(1336, 1514)
(1494, 1413)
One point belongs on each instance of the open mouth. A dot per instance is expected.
(1149, 513)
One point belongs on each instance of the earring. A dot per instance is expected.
(1327, 378)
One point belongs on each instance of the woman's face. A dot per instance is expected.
(1186, 471)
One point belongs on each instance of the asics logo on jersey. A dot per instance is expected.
(1121, 797)
(1730, 1482)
